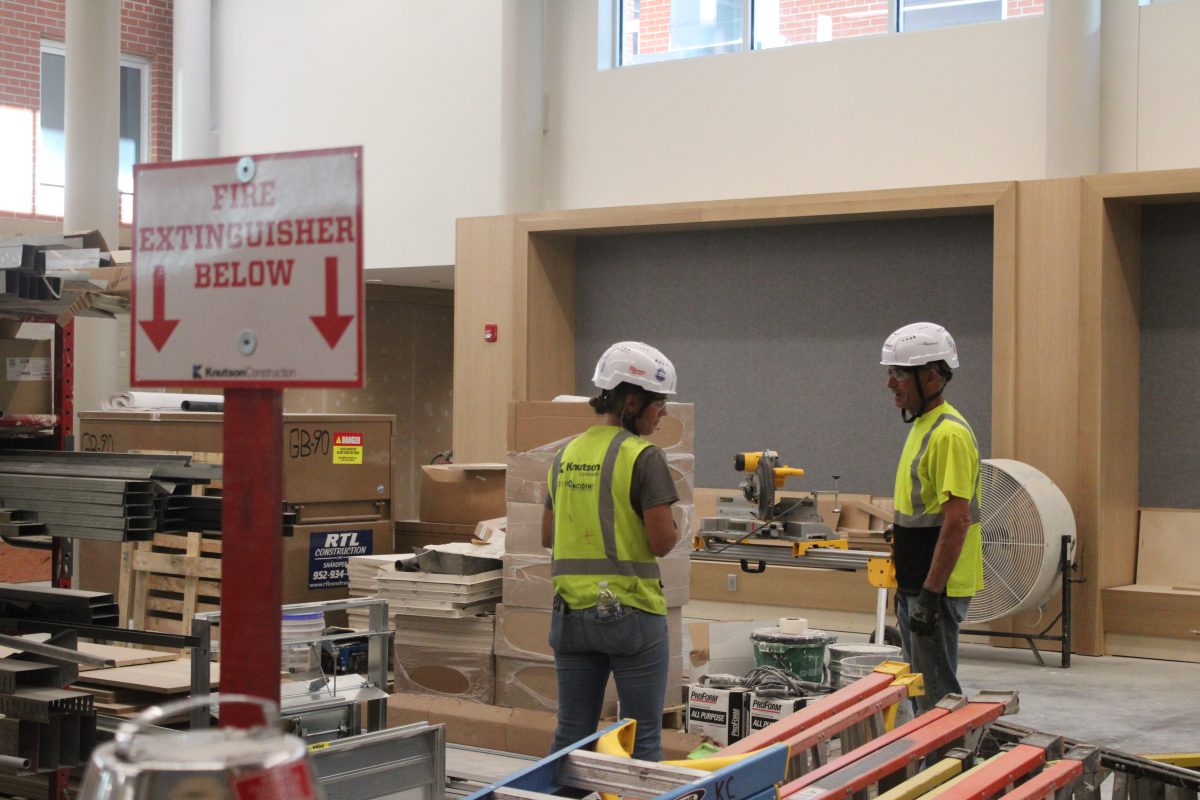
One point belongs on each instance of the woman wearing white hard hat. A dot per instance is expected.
(607, 518)
(937, 544)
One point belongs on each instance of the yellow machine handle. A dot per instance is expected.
(783, 473)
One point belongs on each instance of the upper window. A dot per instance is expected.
(656, 30)
(51, 152)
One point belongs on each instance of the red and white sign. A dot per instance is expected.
(247, 272)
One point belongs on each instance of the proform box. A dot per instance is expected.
(719, 714)
(764, 711)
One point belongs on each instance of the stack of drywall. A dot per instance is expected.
(363, 573)
(537, 431)
(451, 657)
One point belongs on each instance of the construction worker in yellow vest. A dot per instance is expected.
(937, 546)
(607, 518)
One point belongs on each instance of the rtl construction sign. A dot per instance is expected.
(248, 271)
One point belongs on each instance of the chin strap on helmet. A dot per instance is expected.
(925, 401)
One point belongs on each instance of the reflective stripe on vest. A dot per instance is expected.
(612, 563)
(918, 518)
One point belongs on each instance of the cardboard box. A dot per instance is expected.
(323, 481)
(764, 711)
(719, 648)
(539, 424)
(25, 377)
(527, 581)
(467, 722)
(675, 569)
(462, 494)
(719, 714)
(414, 533)
(449, 672)
(523, 533)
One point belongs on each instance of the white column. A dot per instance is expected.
(93, 116)
(1072, 88)
(191, 70)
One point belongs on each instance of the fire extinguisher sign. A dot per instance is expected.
(347, 448)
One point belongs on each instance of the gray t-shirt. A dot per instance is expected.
(651, 483)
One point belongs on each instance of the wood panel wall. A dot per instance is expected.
(1065, 331)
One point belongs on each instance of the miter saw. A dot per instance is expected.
(754, 529)
(757, 514)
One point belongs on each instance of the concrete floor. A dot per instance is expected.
(1132, 704)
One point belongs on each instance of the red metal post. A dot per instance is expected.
(251, 558)
(64, 436)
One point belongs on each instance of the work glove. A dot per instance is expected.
(923, 616)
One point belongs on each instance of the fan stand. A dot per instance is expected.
(1063, 618)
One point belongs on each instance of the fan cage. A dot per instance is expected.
(1023, 517)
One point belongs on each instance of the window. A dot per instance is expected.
(921, 15)
(51, 151)
(658, 30)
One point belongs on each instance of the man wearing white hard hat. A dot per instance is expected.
(937, 546)
(607, 518)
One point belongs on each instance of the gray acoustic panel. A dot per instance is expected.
(1169, 426)
(776, 333)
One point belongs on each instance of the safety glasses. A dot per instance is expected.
(900, 373)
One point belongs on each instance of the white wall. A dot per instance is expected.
(447, 99)
(948, 106)
(420, 85)
(1168, 111)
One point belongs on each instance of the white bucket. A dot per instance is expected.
(850, 661)
(298, 631)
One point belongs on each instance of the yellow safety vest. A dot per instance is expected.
(597, 534)
(925, 479)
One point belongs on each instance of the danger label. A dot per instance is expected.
(347, 448)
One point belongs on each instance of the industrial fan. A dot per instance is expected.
(1024, 517)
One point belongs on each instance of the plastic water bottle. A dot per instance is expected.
(607, 604)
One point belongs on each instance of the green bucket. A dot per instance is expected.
(802, 654)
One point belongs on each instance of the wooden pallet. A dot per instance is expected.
(165, 582)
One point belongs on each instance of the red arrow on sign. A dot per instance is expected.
(157, 328)
(332, 325)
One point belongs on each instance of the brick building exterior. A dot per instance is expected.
(146, 32)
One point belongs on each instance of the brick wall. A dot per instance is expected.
(146, 31)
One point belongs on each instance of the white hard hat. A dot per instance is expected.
(636, 363)
(920, 343)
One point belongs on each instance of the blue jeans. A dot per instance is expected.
(634, 649)
(934, 656)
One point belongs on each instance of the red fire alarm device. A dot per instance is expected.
(490, 332)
